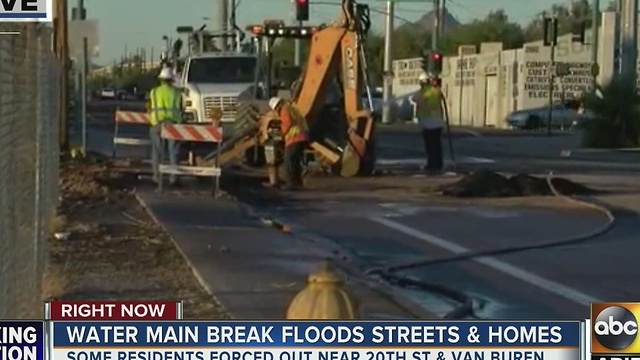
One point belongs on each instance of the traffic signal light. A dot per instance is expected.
(302, 10)
(435, 63)
(550, 34)
(579, 33)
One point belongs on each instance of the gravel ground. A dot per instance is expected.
(114, 250)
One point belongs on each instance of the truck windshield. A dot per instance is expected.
(223, 70)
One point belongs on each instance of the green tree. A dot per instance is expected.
(284, 51)
(496, 27)
(98, 82)
(569, 18)
(613, 6)
(615, 116)
(375, 58)
(410, 42)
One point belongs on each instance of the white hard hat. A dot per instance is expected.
(166, 74)
(274, 102)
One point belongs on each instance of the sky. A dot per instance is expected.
(133, 24)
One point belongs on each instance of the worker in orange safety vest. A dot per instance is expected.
(296, 135)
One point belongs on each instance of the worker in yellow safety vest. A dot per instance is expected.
(430, 115)
(164, 105)
(295, 132)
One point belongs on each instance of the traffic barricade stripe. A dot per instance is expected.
(198, 133)
(192, 133)
(129, 117)
(133, 117)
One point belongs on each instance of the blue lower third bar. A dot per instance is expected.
(22, 340)
(23, 15)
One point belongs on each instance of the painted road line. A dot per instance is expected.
(422, 161)
(501, 266)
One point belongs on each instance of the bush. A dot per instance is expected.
(614, 120)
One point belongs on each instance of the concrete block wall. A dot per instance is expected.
(484, 85)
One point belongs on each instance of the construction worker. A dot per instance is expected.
(295, 132)
(164, 105)
(429, 112)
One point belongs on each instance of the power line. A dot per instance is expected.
(377, 11)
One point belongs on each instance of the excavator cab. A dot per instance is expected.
(276, 77)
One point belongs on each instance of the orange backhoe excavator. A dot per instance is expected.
(336, 55)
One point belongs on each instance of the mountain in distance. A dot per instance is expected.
(427, 22)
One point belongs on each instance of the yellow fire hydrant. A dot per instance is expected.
(324, 298)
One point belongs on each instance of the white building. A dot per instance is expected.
(483, 86)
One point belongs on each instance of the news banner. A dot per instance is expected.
(156, 331)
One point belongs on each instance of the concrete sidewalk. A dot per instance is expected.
(253, 270)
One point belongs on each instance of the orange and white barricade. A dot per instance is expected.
(191, 133)
(129, 117)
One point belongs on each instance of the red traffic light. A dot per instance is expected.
(302, 10)
(436, 56)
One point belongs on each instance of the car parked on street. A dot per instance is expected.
(108, 93)
(402, 108)
(564, 115)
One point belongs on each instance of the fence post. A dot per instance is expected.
(26, 169)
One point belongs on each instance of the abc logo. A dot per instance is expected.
(615, 328)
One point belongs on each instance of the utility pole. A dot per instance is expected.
(298, 49)
(441, 11)
(595, 41)
(388, 60)
(435, 36)
(62, 42)
(83, 92)
(232, 25)
(221, 24)
(225, 26)
(296, 43)
(551, 40)
(629, 41)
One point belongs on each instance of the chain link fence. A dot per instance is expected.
(29, 163)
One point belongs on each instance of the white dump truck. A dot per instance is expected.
(217, 80)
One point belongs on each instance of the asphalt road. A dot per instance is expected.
(554, 282)
(525, 285)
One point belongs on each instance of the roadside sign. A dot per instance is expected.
(563, 69)
(465, 50)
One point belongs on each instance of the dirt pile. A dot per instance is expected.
(485, 183)
(87, 183)
(113, 249)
